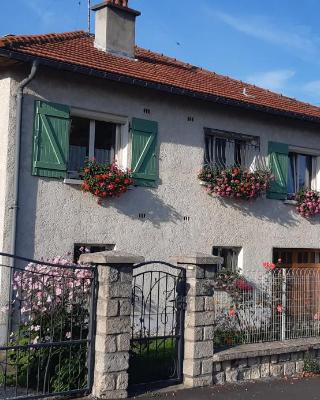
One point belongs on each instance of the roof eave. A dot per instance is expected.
(153, 85)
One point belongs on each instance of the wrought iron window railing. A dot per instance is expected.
(224, 149)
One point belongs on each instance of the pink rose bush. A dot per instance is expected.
(308, 203)
(235, 182)
(45, 289)
(51, 304)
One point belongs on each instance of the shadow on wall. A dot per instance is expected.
(264, 209)
(143, 204)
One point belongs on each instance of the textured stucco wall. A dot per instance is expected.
(53, 216)
(5, 100)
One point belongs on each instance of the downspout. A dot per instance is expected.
(15, 200)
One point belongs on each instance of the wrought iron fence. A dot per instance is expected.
(279, 305)
(47, 321)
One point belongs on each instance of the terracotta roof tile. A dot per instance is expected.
(77, 48)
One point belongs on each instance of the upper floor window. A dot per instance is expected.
(90, 138)
(293, 168)
(224, 149)
(301, 170)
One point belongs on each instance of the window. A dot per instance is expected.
(230, 257)
(300, 171)
(225, 149)
(81, 248)
(297, 258)
(90, 138)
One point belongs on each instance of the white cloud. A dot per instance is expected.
(276, 80)
(296, 37)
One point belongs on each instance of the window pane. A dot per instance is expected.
(238, 146)
(220, 152)
(79, 143)
(305, 168)
(291, 173)
(105, 138)
(209, 149)
(230, 257)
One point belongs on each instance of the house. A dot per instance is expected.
(101, 95)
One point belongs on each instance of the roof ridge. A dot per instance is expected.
(16, 40)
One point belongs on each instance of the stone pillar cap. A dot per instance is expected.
(110, 257)
(197, 259)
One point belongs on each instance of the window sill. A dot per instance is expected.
(69, 181)
(290, 202)
(267, 349)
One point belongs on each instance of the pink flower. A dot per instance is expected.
(68, 335)
(280, 308)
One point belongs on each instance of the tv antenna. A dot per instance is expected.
(89, 16)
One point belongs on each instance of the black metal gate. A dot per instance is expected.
(46, 328)
(157, 323)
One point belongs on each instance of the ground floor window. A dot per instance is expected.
(297, 258)
(80, 248)
(230, 257)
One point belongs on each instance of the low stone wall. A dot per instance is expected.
(237, 366)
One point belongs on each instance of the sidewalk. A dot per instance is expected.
(285, 389)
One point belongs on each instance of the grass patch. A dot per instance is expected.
(152, 360)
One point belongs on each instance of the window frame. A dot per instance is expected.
(121, 139)
(238, 253)
(315, 166)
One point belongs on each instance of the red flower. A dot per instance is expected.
(269, 265)
(280, 308)
(232, 312)
(242, 284)
(104, 180)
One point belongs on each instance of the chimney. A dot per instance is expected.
(115, 27)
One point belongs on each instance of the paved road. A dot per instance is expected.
(290, 389)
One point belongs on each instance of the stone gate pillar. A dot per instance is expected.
(199, 318)
(113, 324)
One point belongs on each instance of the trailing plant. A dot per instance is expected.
(311, 365)
(51, 305)
(308, 203)
(105, 180)
(235, 182)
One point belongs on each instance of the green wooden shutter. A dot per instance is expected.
(144, 152)
(278, 158)
(50, 140)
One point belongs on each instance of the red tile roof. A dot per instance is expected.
(77, 49)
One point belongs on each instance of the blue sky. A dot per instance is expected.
(274, 44)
